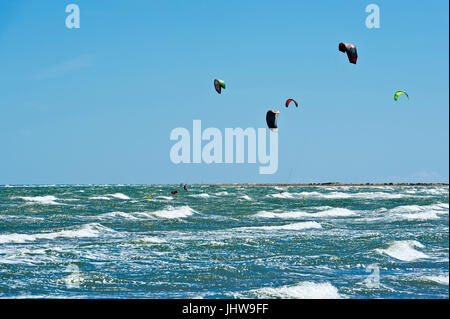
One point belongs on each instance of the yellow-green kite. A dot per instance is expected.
(396, 95)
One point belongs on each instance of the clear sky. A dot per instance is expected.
(97, 104)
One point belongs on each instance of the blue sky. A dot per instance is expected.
(97, 104)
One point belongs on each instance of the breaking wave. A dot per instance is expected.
(88, 230)
(303, 290)
(333, 212)
(294, 226)
(404, 250)
(171, 212)
(44, 200)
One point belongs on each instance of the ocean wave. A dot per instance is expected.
(119, 196)
(435, 191)
(87, 230)
(294, 226)
(442, 280)
(404, 250)
(171, 212)
(335, 212)
(332, 212)
(117, 214)
(284, 215)
(359, 195)
(111, 196)
(420, 216)
(245, 197)
(417, 212)
(442, 207)
(149, 240)
(303, 290)
(284, 195)
(202, 195)
(100, 197)
(164, 197)
(221, 194)
(43, 200)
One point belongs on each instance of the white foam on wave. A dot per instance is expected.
(171, 212)
(361, 195)
(303, 290)
(335, 212)
(164, 197)
(332, 212)
(441, 207)
(202, 195)
(404, 250)
(442, 280)
(119, 196)
(294, 226)
(85, 231)
(421, 216)
(245, 197)
(100, 197)
(118, 214)
(151, 240)
(417, 212)
(222, 194)
(284, 195)
(436, 191)
(285, 215)
(44, 200)
(110, 196)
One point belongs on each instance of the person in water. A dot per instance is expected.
(185, 188)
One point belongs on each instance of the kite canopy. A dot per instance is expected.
(271, 119)
(350, 49)
(398, 93)
(291, 100)
(219, 85)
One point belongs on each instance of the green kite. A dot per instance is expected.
(396, 95)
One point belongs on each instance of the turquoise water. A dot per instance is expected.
(224, 242)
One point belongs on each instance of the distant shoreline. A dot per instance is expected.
(237, 184)
(331, 184)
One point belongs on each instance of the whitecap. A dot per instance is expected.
(150, 240)
(171, 212)
(164, 197)
(88, 230)
(332, 212)
(442, 280)
(416, 212)
(119, 196)
(202, 195)
(303, 290)
(118, 214)
(100, 197)
(44, 200)
(294, 226)
(284, 195)
(360, 195)
(404, 250)
(222, 194)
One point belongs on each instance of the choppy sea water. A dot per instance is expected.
(224, 242)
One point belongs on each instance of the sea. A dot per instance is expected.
(234, 242)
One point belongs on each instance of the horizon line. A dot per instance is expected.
(244, 184)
